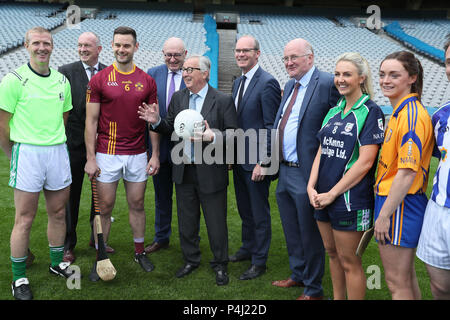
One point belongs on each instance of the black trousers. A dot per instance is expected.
(214, 207)
(77, 158)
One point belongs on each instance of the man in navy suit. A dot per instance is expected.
(257, 96)
(168, 77)
(307, 98)
(79, 73)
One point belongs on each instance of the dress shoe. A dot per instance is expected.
(239, 256)
(69, 256)
(108, 248)
(221, 277)
(306, 297)
(155, 246)
(287, 283)
(253, 272)
(185, 270)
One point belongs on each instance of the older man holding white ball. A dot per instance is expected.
(193, 179)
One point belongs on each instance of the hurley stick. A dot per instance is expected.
(105, 268)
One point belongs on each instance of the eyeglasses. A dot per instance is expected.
(172, 55)
(293, 58)
(238, 51)
(189, 69)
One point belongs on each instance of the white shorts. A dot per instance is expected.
(434, 242)
(129, 167)
(34, 168)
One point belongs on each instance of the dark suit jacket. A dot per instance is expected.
(320, 96)
(258, 108)
(78, 79)
(160, 74)
(219, 110)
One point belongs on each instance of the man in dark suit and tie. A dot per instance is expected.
(198, 183)
(257, 97)
(79, 73)
(307, 97)
(168, 77)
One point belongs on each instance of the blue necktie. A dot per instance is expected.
(192, 101)
(192, 105)
(241, 92)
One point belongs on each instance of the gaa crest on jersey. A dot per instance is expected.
(61, 96)
(380, 124)
(348, 129)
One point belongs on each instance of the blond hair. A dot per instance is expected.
(363, 68)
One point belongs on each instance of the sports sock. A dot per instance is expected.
(56, 255)
(139, 245)
(19, 266)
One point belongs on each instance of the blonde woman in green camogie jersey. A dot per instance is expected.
(340, 186)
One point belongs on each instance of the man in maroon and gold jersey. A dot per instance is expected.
(114, 135)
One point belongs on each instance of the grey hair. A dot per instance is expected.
(203, 62)
(363, 70)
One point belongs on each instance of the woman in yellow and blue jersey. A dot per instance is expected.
(402, 174)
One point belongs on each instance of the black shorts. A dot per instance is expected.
(355, 220)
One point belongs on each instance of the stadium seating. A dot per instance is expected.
(23, 17)
(152, 28)
(329, 40)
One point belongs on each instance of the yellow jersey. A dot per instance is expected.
(408, 143)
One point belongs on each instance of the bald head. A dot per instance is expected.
(174, 53)
(89, 48)
(298, 58)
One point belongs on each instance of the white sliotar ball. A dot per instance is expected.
(187, 122)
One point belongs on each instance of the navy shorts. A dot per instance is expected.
(355, 220)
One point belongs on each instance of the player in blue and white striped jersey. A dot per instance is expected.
(434, 242)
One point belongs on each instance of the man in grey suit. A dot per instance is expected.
(198, 183)
(79, 73)
(306, 100)
(168, 77)
(257, 96)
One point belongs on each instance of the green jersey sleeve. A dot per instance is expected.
(9, 92)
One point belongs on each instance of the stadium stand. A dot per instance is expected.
(152, 27)
(329, 37)
(329, 40)
(23, 17)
